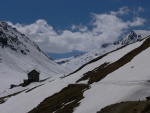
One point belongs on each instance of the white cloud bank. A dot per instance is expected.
(105, 28)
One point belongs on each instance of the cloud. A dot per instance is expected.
(106, 27)
(125, 11)
(138, 10)
(79, 27)
(137, 22)
(122, 11)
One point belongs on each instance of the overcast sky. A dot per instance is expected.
(60, 26)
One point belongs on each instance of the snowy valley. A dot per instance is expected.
(116, 72)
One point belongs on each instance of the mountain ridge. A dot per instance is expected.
(75, 63)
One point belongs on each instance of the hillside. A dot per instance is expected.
(19, 55)
(120, 75)
(74, 63)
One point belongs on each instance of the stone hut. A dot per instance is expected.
(33, 76)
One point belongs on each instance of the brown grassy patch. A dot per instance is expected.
(95, 76)
(128, 107)
(94, 72)
(62, 102)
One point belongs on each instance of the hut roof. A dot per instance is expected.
(34, 71)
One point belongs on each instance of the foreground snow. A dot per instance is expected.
(24, 102)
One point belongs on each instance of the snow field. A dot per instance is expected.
(124, 84)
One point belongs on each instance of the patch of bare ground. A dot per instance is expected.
(33, 88)
(64, 101)
(3, 99)
(105, 69)
(128, 107)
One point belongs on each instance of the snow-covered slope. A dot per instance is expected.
(74, 63)
(19, 55)
(128, 83)
(126, 78)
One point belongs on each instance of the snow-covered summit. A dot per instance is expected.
(134, 36)
(18, 55)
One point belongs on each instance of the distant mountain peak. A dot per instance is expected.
(130, 38)
(134, 36)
